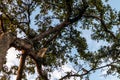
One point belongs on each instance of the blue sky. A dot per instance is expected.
(115, 4)
(96, 76)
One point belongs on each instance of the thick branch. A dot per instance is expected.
(21, 66)
(41, 72)
(38, 63)
(49, 31)
(5, 41)
(61, 26)
(22, 44)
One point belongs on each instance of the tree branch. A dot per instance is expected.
(61, 26)
(49, 31)
(5, 41)
(40, 71)
(22, 44)
(103, 24)
(21, 66)
(52, 38)
(1, 24)
(81, 75)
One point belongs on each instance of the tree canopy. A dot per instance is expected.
(54, 28)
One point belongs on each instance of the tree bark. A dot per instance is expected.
(5, 40)
(21, 66)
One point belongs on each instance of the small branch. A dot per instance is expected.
(103, 23)
(21, 66)
(28, 16)
(1, 24)
(81, 75)
(106, 29)
(74, 75)
(52, 38)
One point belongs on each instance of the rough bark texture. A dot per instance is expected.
(5, 40)
(21, 67)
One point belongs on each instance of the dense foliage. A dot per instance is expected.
(58, 25)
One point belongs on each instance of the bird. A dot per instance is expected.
(84, 70)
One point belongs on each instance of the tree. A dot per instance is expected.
(55, 41)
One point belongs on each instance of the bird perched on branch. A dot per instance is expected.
(84, 70)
